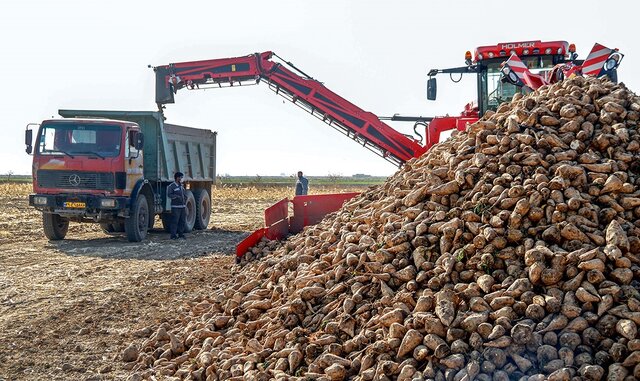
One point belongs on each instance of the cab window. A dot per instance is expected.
(131, 151)
(76, 138)
(497, 91)
(494, 92)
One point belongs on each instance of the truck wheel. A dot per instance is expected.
(203, 209)
(55, 227)
(191, 212)
(138, 222)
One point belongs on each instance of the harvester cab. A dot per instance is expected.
(506, 69)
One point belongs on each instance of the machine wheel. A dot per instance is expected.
(112, 227)
(55, 227)
(203, 209)
(138, 222)
(191, 212)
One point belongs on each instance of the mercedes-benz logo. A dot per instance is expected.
(74, 180)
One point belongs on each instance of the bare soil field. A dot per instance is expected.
(69, 308)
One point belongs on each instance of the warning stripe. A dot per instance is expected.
(596, 59)
(517, 66)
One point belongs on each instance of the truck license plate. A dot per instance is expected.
(74, 204)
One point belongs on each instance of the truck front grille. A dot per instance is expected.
(75, 179)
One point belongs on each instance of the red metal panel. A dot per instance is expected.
(250, 241)
(526, 77)
(446, 123)
(307, 210)
(504, 49)
(276, 212)
(311, 209)
(276, 222)
(594, 62)
(279, 230)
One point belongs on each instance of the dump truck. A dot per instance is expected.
(113, 168)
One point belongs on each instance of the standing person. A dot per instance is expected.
(176, 192)
(302, 185)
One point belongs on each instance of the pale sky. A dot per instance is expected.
(376, 54)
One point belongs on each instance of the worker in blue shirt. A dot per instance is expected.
(302, 185)
(178, 196)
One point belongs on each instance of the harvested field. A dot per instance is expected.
(69, 308)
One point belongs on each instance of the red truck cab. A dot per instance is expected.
(84, 170)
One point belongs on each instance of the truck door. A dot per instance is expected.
(133, 160)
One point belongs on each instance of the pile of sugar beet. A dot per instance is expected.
(509, 252)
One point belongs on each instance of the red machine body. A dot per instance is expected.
(522, 48)
(307, 210)
(362, 126)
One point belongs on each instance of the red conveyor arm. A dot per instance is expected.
(311, 95)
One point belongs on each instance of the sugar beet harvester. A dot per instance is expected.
(531, 64)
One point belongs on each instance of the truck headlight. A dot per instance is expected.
(107, 203)
(39, 200)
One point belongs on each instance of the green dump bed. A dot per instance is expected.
(168, 148)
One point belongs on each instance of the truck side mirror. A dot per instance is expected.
(136, 139)
(28, 139)
(139, 140)
(432, 89)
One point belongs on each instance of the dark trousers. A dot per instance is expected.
(178, 221)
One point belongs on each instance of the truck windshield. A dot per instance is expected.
(494, 92)
(90, 139)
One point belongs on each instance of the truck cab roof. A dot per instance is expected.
(89, 120)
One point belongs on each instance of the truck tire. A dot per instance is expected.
(55, 227)
(137, 224)
(203, 209)
(191, 212)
